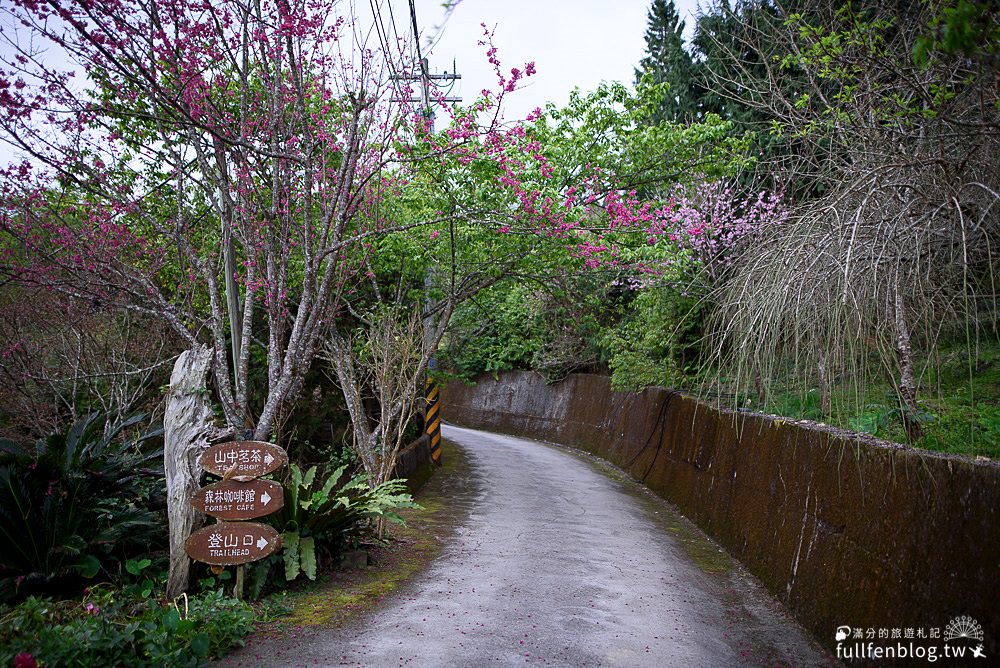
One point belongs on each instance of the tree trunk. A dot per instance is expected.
(907, 381)
(823, 376)
(188, 429)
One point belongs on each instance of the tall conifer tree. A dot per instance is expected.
(667, 61)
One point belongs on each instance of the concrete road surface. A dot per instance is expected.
(561, 561)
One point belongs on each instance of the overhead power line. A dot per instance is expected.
(426, 79)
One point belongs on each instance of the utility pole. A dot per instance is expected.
(425, 100)
(432, 414)
(425, 77)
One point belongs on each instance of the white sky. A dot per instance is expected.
(574, 43)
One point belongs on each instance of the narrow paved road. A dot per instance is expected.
(559, 563)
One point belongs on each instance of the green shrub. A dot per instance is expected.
(105, 630)
(324, 516)
(73, 505)
(658, 343)
(494, 332)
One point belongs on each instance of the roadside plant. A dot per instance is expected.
(109, 628)
(321, 516)
(74, 504)
(144, 580)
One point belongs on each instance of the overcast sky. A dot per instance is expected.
(574, 43)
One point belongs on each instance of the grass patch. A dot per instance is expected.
(959, 402)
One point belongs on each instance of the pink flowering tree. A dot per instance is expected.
(714, 222)
(697, 232)
(242, 173)
(603, 181)
(226, 168)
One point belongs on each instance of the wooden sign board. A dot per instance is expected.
(238, 500)
(247, 459)
(232, 543)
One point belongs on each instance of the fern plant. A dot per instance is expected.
(326, 514)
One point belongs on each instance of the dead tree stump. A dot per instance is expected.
(188, 430)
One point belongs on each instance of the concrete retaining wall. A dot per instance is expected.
(414, 463)
(844, 532)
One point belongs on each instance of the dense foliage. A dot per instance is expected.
(840, 263)
(107, 629)
(77, 504)
(82, 550)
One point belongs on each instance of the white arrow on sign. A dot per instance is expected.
(265, 498)
(261, 543)
(268, 459)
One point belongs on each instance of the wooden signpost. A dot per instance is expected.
(232, 543)
(238, 496)
(251, 459)
(238, 500)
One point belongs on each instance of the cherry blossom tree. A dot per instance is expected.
(715, 221)
(242, 172)
(222, 166)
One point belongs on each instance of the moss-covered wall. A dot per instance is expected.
(843, 531)
(414, 463)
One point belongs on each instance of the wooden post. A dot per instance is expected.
(240, 574)
(237, 497)
(187, 424)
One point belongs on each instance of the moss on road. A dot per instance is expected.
(337, 597)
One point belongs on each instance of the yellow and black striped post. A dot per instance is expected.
(432, 420)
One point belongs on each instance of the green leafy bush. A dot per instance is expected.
(105, 630)
(495, 332)
(324, 515)
(658, 343)
(74, 504)
(553, 329)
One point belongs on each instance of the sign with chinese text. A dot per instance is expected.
(238, 496)
(238, 500)
(244, 459)
(232, 543)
